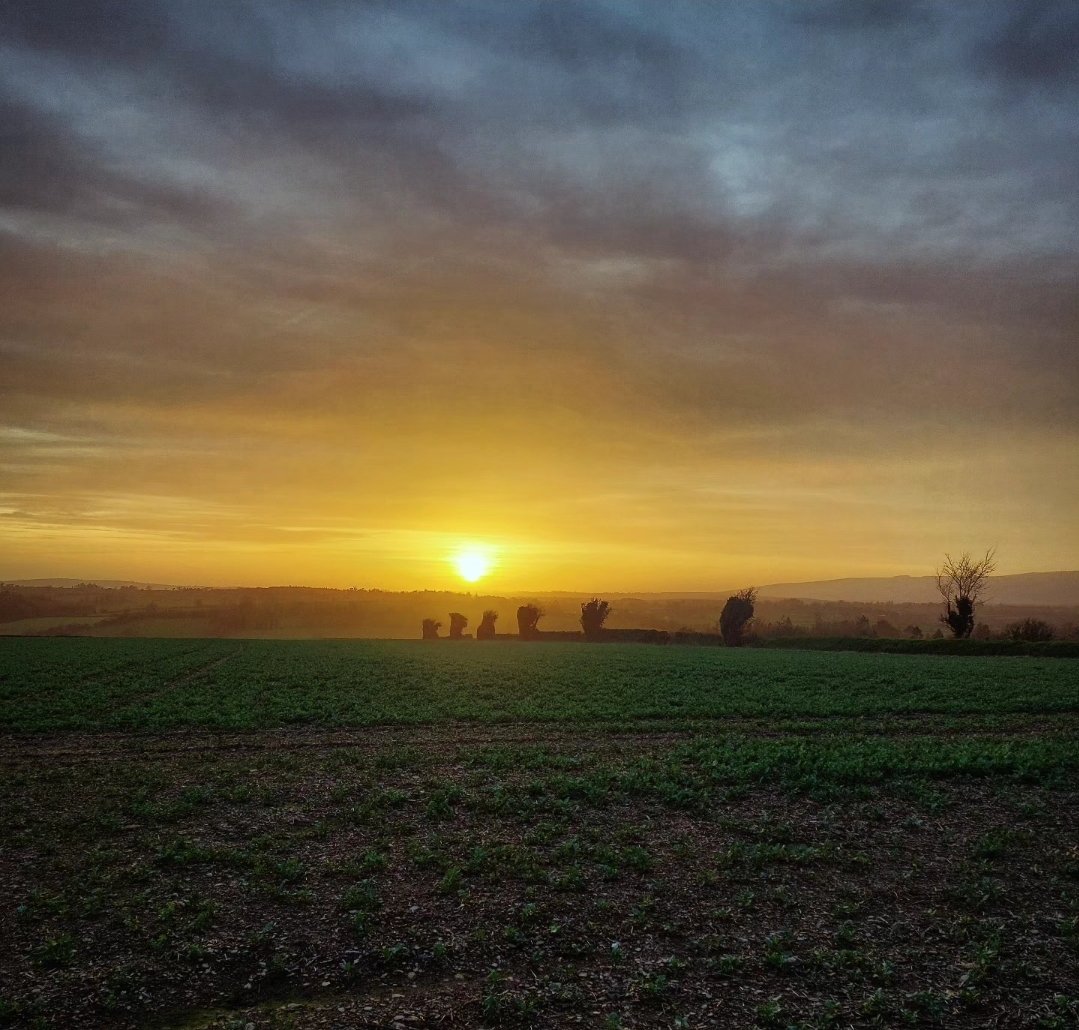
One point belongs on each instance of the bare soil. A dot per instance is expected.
(461, 876)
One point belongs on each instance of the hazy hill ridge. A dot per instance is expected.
(1030, 588)
(1037, 588)
(107, 584)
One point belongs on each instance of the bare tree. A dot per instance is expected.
(962, 584)
(736, 616)
(528, 616)
(431, 628)
(486, 628)
(593, 615)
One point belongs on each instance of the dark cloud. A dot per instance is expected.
(48, 169)
(1037, 44)
(580, 36)
(858, 15)
(97, 29)
(663, 133)
(358, 113)
(223, 58)
(615, 68)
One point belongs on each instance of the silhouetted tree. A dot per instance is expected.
(593, 615)
(961, 583)
(528, 616)
(1034, 630)
(914, 632)
(458, 622)
(736, 616)
(486, 628)
(431, 628)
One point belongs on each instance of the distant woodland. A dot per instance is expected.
(290, 612)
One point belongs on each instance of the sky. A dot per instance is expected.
(626, 295)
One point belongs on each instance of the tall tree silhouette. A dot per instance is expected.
(736, 616)
(962, 584)
(486, 628)
(458, 622)
(431, 628)
(593, 615)
(528, 615)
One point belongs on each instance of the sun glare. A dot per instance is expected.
(472, 564)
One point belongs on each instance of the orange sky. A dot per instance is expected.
(626, 322)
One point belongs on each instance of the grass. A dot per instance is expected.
(92, 684)
(211, 834)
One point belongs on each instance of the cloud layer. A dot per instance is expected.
(647, 297)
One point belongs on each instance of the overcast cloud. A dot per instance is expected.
(266, 258)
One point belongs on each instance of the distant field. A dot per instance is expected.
(46, 622)
(209, 835)
(77, 683)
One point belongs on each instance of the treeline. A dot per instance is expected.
(1030, 630)
(34, 603)
(737, 627)
(940, 645)
(297, 612)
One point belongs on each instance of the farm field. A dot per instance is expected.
(217, 834)
(147, 684)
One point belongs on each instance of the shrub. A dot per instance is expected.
(458, 622)
(736, 617)
(528, 617)
(593, 615)
(486, 628)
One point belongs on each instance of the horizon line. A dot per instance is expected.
(502, 591)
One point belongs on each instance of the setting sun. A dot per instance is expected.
(472, 564)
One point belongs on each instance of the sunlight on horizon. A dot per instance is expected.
(472, 563)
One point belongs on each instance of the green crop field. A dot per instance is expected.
(223, 834)
(91, 684)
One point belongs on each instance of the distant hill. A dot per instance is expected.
(1029, 588)
(1035, 588)
(109, 584)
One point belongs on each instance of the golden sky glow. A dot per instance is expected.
(627, 305)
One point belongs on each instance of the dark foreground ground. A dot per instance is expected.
(831, 873)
